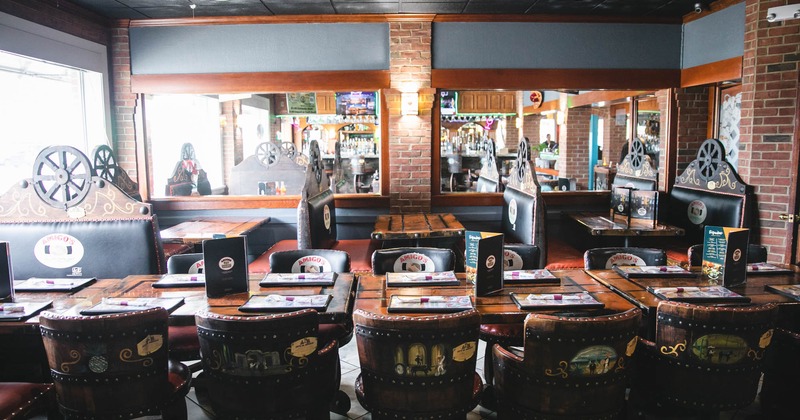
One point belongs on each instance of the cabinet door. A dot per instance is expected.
(326, 103)
(486, 102)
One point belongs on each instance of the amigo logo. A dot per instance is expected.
(226, 263)
(512, 211)
(311, 264)
(624, 259)
(198, 267)
(414, 262)
(326, 217)
(511, 260)
(490, 262)
(58, 250)
(697, 212)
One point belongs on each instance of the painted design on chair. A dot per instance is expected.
(465, 351)
(755, 354)
(303, 347)
(559, 371)
(126, 355)
(631, 348)
(256, 362)
(720, 349)
(76, 357)
(98, 364)
(674, 350)
(419, 360)
(150, 344)
(593, 361)
(765, 338)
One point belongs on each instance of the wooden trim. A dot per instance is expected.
(718, 71)
(410, 17)
(590, 98)
(258, 20)
(525, 79)
(712, 8)
(792, 251)
(671, 155)
(552, 18)
(302, 81)
(384, 154)
(436, 150)
(713, 112)
(227, 202)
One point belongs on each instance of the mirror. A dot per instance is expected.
(258, 144)
(577, 137)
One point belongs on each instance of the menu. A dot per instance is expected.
(634, 271)
(298, 279)
(285, 303)
(556, 301)
(39, 284)
(766, 268)
(542, 276)
(704, 294)
(484, 261)
(18, 311)
(181, 280)
(788, 290)
(429, 303)
(725, 254)
(443, 278)
(120, 305)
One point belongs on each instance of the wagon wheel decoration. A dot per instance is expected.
(316, 162)
(62, 176)
(709, 157)
(268, 154)
(288, 149)
(105, 164)
(636, 154)
(187, 152)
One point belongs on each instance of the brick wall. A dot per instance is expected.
(768, 126)
(573, 146)
(410, 135)
(692, 117)
(616, 134)
(530, 127)
(123, 102)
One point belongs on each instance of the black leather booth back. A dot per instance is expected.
(322, 220)
(113, 248)
(520, 257)
(695, 209)
(428, 259)
(600, 258)
(486, 185)
(183, 263)
(518, 216)
(309, 260)
(643, 184)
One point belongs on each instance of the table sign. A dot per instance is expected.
(443, 278)
(484, 263)
(644, 209)
(621, 205)
(541, 276)
(429, 303)
(704, 294)
(285, 303)
(725, 254)
(6, 274)
(298, 279)
(181, 280)
(634, 271)
(788, 290)
(225, 266)
(556, 301)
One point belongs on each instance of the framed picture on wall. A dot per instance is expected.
(730, 112)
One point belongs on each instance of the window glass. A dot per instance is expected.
(46, 104)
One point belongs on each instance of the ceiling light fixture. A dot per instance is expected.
(781, 13)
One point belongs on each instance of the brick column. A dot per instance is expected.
(410, 135)
(123, 102)
(692, 118)
(530, 128)
(573, 146)
(615, 135)
(768, 125)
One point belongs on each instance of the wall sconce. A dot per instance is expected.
(781, 13)
(410, 104)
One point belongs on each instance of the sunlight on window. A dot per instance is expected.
(45, 104)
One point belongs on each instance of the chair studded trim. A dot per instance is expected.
(688, 366)
(393, 379)
(104, 378)
(521, 413)
(695, 325)
(222, 336)
(558, 381)
(579, 337)
(379, 334)
(128, 414)
(80, 337)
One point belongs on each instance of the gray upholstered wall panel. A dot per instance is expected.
(259, 48)
(716, 37)
(520, 45)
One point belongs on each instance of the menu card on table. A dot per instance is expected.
(556, 301)
(181, 280)
(443, 278)
(788, 290)
(39, 284)
(637, 271)
(621, 205)
(120, 305)
(435, 304)
(725, 254)
(6, 274)
(484, 264)
(644, 209)
(286, 303)
(766, 268)
(298, 279)
(225, 266)
(542, 276)
(704, 294)
(19, 311)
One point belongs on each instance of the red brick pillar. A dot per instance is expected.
(573, 146)
(410, 135)
(768, 127)
(615, 134)
(123, 102)
(692, 118)
(530, 128)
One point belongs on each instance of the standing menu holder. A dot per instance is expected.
(556, 301)
(435, 304)
(484, 264)
(6, 274)
(225, 266)
(725, 254)
(644, 209)
(541, 276)
(286, 303)
(36, 284)
(621, 205)
(298, 279)
(704, 294)
(444, 278)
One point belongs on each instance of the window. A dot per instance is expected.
(46, 104)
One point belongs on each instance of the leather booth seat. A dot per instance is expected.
(360, 251)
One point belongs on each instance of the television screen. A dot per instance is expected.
(356, 103)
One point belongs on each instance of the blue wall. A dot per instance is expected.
(259, 48)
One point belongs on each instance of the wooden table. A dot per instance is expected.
(197, 229)
(373, 296)
(602, 225)
(418, 229)
(635, 291)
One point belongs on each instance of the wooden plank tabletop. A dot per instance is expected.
(602, 225)
(373, 296)
(416, 226)
(197, 229)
